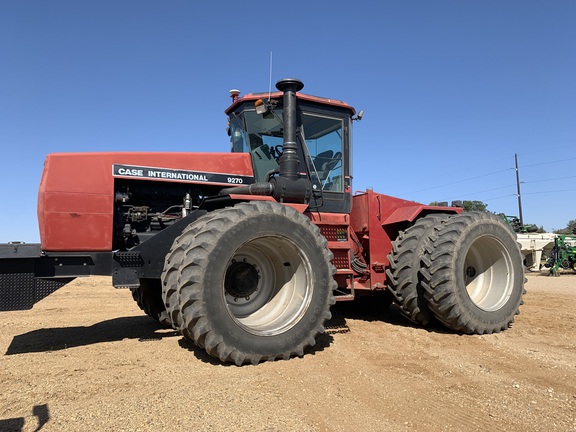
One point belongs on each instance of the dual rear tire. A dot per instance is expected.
(405, 280)
(466, 271)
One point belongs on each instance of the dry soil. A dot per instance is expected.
(86, 359)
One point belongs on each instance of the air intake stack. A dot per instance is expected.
(288, 186)
(289, 160)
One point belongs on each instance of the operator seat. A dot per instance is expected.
(325, 162)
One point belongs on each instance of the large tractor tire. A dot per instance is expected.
(473, 274)
(172, 267)
(148, 297)
(404, 271)
(255, 283)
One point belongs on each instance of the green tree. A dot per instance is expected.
(474, 205)
(569, 228)
(466, 205)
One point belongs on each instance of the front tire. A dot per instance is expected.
(172, 267)
(473, 274)
(148, 297)
(255, 283)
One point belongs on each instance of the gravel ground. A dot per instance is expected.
(85, 359)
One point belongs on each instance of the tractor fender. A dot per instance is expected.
(413, 212)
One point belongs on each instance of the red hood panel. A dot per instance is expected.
(76, 195)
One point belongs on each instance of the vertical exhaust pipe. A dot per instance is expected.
(289, 160)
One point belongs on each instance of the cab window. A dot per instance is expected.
(323, 138)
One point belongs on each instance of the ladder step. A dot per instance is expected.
(345, 297)
(344, 271)
(339, 245)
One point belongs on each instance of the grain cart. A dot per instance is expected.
(245, 252)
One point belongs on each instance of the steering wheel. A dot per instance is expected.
(276, 151)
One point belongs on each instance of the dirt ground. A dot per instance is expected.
(86, 358)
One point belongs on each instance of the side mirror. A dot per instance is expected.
(359, 116)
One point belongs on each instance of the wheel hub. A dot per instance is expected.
(489, 276)
(241, 279)
(264, 295)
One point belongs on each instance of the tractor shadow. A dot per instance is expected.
(369, 309)
(378, 308)
(144, 329)
(40, 414)
(141, 328)
(322, 342)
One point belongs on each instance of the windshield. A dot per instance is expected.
(261, 136)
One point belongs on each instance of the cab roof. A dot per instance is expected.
(301, 96)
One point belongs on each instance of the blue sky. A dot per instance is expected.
(451, 89)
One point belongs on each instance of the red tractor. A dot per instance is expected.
(245, 252)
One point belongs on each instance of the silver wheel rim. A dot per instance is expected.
(488, 273)
(268, 285)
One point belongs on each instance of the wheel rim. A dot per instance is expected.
(488, 273)
(268, 285)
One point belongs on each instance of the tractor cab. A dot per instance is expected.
(323, 142)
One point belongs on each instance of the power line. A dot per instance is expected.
(506, 196)
(548, 163)
(553, 179)
(492, 173)
(548, 149)
(485, 200)
(452, 172)
(518, 189)
(500, 197)
(479, 192)
(550, 191)
(460, 181)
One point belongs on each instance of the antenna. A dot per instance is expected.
(270, 80)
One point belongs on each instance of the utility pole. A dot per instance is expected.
(518, 187)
